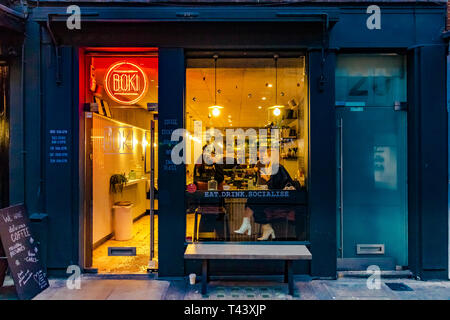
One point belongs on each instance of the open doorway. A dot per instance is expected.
(121, 125)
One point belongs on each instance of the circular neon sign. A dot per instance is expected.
(125, 82)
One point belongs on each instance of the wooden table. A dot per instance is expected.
(288, 253)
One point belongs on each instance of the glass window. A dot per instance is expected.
(370, 80)
(247, 131)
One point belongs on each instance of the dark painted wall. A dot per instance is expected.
(431, 121)
(53, 189)
(172, 178)
(58, 103)
(322, 164)
(32, 121)
(17, 156)
(427, 162)
(49, 187)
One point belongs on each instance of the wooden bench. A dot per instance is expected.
(288, 253)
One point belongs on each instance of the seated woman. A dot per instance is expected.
(278, 181)
(203, 172)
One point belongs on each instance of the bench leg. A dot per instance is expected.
(286, 271)
(205, 276)
(290, 277)
(195, 236)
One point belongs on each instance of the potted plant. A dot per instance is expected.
(116, 183)
(123, 216)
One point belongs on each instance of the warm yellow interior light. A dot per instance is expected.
(215, 110)
(276, 111)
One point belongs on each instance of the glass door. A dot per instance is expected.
(121, 163)
(371, 160)
(372, 216)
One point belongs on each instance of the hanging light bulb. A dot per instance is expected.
(215, 109)
(276, 109)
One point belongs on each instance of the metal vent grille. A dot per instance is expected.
(121, 251)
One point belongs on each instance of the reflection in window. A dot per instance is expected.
(264, 102)
(385, 167)
(370, 79)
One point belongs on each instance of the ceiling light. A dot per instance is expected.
(216, 112)
(276, 108)
(259, 107)
(263, 98)
(215, 108)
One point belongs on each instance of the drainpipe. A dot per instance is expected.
(24, 141)
(23, 15)
(448, 155)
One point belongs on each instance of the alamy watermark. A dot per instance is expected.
(73, 282)
(74, 19)
(263, 147)
(374, 280)
(373, 22)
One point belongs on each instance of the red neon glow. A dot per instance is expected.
(125, 82)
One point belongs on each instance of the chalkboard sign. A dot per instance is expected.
(22, 252)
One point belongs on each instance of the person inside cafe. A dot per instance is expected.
(270, 176)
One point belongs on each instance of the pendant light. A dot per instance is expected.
(215, 109)
(276, 109)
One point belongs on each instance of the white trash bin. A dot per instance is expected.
(123, 222)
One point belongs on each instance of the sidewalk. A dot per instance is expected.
(101, 288)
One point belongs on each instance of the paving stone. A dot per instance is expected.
(343, 289)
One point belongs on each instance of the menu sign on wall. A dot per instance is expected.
(22, 252)
(58, 150)
(125, 83)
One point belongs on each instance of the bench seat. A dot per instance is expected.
(288, 253)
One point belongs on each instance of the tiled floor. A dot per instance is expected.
(132, 264)
(140, 240)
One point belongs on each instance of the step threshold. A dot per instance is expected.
(384, 274)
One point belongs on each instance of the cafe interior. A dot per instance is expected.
(264, 92)
(222, 92)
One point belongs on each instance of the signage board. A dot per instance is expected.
(125, 82)
(22, 252)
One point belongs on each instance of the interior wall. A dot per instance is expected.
(137, 117)
(109, 159)
(140, 118)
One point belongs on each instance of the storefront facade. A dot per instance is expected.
(370, 131)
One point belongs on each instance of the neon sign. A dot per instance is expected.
(125, 83)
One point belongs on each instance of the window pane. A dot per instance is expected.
(246, 121)
(370, 79)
